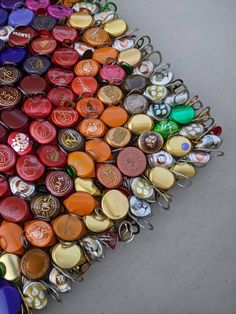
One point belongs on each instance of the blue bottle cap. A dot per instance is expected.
(21, 17)
(36, 65)
(9, 4)
(2, 45)
(43, 22)
(3, 17)
(14, 55)
(10, 299)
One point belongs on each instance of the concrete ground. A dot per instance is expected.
(187, 265)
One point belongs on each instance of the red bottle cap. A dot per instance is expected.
(30, 168)
(112, 73)
(20, 142)
(3, 134)
(64, 117)
(61, 95)
(33, 84)
(43, 132)
(59, 183)
(83, 86)
(14, 209)
(63, 32)
(43, 45)
(131, 161)
(59, 76)
(4, 187)
(65, 57)
(7, 158)
(37, 107)
(52, 156)
(109, 176)
(21, 36)
(15, 119)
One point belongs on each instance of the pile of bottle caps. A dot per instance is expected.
(93, 129)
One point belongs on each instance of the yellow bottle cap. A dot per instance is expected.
(115, 205)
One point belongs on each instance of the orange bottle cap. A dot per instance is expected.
(80, 203)
(68, 228)
(87, 67)
(114, 116)
(96, 37)
(101, 54)
(99, 150)
(84, 85)
(92, 128)
(82, 163)
(11, 237)
(90, 107)
(39, 233)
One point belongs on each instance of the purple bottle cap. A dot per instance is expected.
(3, 17)
(21, 17)
(14, 55)
(9, 4)
(37, 4)
(10, 299)
(59, 11)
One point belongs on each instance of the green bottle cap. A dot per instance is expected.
(182, 114)
(166, 128)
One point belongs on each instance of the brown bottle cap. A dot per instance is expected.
(11, 237)
(118, 137)
(110, 94)
(59, 183)
(109, 176)
(150, 142)
(46, 206)
(80, 203)
(98, 149)
(91, 128)
(82, 163)
(9, 96)
(96, 37)
(114, 116)
(39, 233)
(68, 228)
(131, 161)
(70, 140)
(35, 264)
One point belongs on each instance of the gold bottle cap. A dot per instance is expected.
(178, 146)
(184, 169)
(110, 94)
(162, 178)
(67, 257)
(96, 37)
(116, 27)
(115, 205)
(12, 265)
(140, 123)
(97, 223)
(131, 56)
(86, 185)
(118, 137)
(80, 20)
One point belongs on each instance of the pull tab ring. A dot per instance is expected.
(52, 292)
(159, 55)
(142, 42)
(147, 49)
(125, 231)
(142, 222)
(183, 178)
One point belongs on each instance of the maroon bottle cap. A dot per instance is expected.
(59, 183)
(4, 187)
(14, 209)
(43, 45)
(30, 168)
(7, 158)
(60, 76)
(131, 161)
(64, 117)
(15, 119)
(52, 156)
(65, 57)
(9, 75)
(21, 36)
(37, 107)
(64, 33)
(43, 132)
(61, 95)
(3, 134)
(109, 176)
(20, 142)
(33, 85)
(9, 96)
